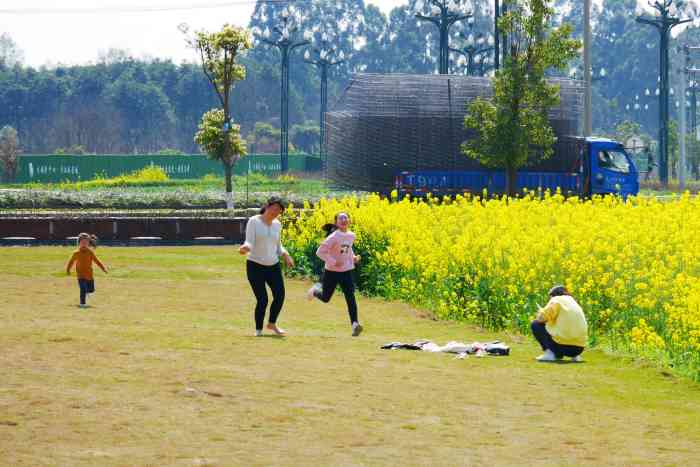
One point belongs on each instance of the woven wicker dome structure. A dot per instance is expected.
(385, 124)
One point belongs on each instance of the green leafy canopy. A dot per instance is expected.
(219, 51)
(211, 137)
(513, 128)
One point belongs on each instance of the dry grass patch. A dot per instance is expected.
(162, 371)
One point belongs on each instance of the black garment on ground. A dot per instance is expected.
(258, 276)
(400, 345)
(86, 287)
(331, 279)
(539, 330)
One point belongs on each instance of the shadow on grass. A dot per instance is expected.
(268, 336)
(564, 362)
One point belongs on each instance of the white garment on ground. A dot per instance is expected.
(431, 347)
(456, 347)
(264, 241)
(450, 347)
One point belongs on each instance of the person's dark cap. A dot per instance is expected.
(557, 290)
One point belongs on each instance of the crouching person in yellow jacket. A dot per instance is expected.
(560, 327)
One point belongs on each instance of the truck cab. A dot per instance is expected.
(611, 169)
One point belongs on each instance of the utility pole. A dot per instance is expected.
(685, 72)
(496, 36)
(664, 22)
(588, 95)
(504, 37)
(684, 86)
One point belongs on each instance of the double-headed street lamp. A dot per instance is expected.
(475, 53)
(323, 54)
(282, 37)
(596, 75)
(637, 106)
(664, 22)
(443, 14)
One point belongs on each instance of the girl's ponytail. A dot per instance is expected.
(329, 229)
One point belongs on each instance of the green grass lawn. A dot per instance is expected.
(162, 370)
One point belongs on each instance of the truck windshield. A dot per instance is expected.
(615, 160)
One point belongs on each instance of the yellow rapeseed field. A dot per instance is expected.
(634, 265)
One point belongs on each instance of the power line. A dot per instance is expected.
(147, 9)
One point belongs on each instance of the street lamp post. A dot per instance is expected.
(476, 53)
(443, 14)
(323, 56)
(664, 22)
(286, 44)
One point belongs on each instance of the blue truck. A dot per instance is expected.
(579, 167)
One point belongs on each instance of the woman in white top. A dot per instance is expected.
(264, 248)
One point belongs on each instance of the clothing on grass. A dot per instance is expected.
(331, 279)
(264, 241)
(259, 276)
(547, 342)
(475, 348)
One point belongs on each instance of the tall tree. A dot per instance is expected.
(219, 52)
(513, 128)
(220, 143)
(10, 53)
(9, 152)
(305, 137)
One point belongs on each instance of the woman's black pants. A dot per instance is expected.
(259, 276)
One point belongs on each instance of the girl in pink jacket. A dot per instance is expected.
(336, 251)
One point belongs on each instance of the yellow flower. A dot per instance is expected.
(629, 263)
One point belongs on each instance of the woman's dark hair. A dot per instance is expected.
(330, 228)
(271, 202)
(558, 290)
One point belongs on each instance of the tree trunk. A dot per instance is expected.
(228, 171)
(511, 181)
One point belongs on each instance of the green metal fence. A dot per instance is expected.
(60, 168)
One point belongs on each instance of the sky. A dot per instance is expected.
(49, 33)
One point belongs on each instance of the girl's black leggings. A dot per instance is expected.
(258, 276)
(331, 280)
